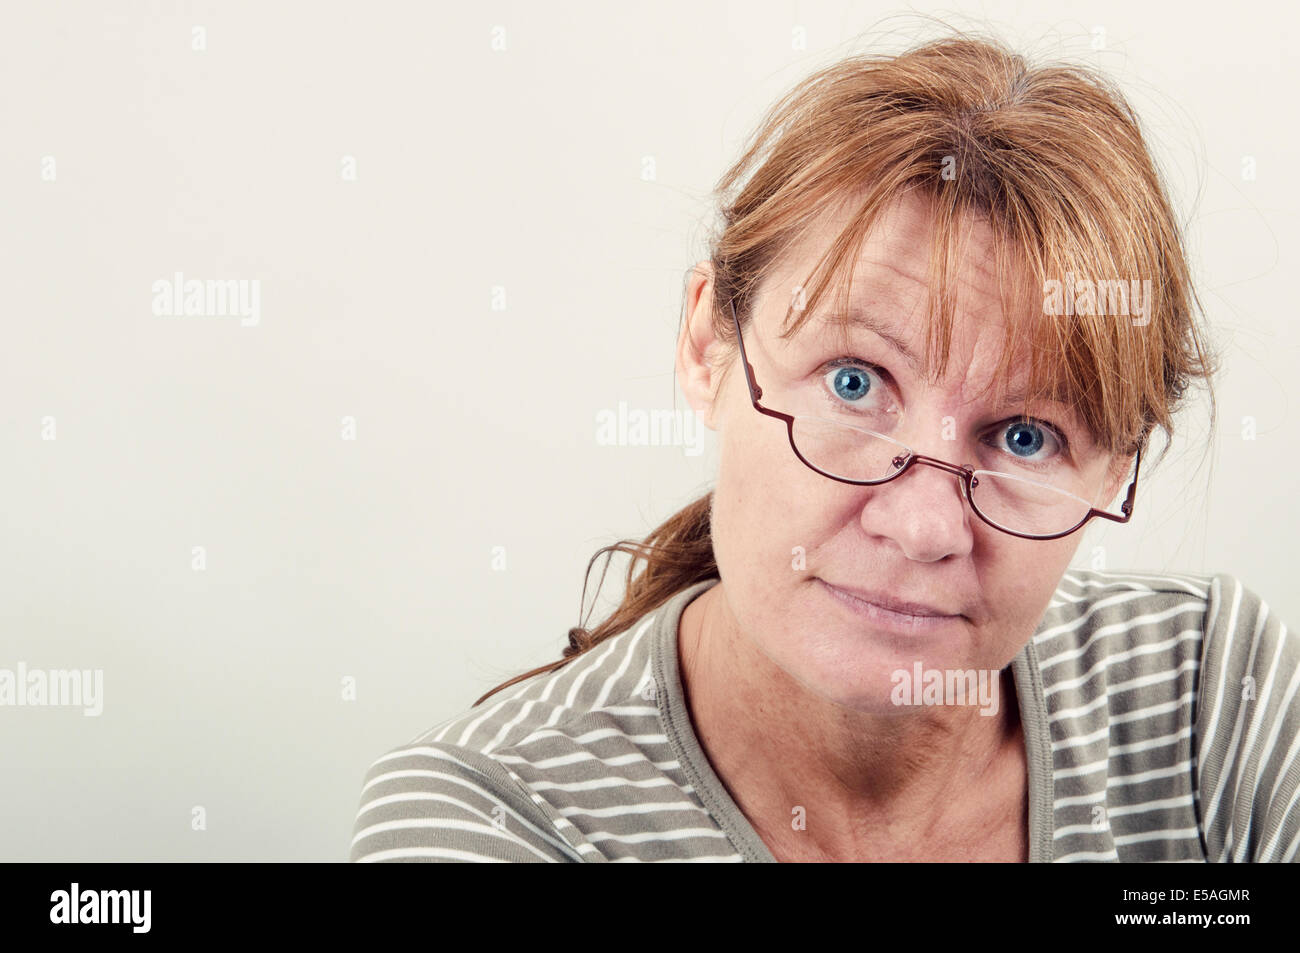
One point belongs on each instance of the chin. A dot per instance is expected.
(845, 671)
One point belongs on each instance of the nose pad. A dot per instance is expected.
(951, 469)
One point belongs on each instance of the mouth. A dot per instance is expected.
(889, 611)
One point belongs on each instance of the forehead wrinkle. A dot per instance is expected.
(871, 299)
(860, 316)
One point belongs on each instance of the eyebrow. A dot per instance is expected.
(858, 316)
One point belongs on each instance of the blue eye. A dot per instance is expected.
(1025, 438)
(850, 383)
(855, 386)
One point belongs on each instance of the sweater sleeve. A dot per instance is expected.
(1247, 729)
(440, 802)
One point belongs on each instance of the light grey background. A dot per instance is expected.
(570, 169)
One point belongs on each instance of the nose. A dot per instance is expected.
(923, 512)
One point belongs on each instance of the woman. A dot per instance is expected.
(960, 305)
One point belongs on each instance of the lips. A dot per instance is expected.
(895, 603)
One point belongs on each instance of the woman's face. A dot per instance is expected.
(782, 532)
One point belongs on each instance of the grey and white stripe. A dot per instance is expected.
(1161, 714)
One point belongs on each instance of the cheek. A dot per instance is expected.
(771, 513)
(748, 528)
(1019, 578)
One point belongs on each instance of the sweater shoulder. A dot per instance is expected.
(468, 787)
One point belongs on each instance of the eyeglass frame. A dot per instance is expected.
(966, 473)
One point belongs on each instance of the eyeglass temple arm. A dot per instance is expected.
(755, 392)
(1127, 506)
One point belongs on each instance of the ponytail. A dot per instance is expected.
(677, 554)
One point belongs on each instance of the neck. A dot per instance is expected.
(778, 746)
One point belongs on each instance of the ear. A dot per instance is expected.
(698, 347)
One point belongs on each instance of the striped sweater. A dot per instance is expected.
(1161, 722)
